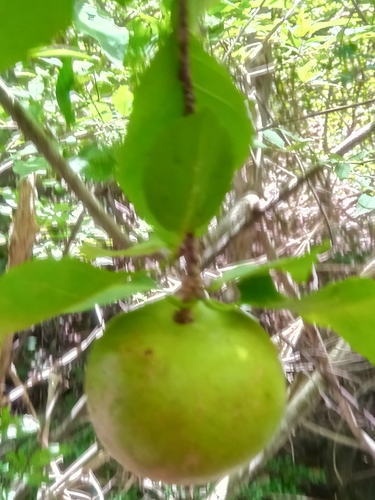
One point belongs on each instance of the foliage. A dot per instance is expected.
(105, 87)
(281, 475)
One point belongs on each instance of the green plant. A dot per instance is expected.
(281, 475)
(184, 143)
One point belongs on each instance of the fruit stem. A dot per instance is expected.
(191, 283)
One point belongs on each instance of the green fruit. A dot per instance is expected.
(184, 403)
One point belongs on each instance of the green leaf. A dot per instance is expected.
(342, 170)
(260, 291)
(298, 267)
(42, 457)
(36, 164)
(152, 245)
(188, 171)
(26, 24)
(158, 102)
(38, 290)
(306, 72)
(122, 100)
(112, 39)
(347, 307)
(62, 51)
(341, 21)
(365, 204)
(100, 162)
(64, 84)
(274, 138)
(100, 110)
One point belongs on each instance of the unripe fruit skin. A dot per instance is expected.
(184, 403)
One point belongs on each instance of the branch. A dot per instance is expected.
(355, 138)
(318, 113)
(48, 148)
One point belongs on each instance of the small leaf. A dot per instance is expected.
(64, 84)
(274, 138)
(188, 172)
(365, 204)
(306, 71)
(342, 170)
(26, 24)
(122, 100)
(38, 290)
(152, 245)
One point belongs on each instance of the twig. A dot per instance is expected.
(74, 232)
(317, 113)
(48, 148)
(359, 12)
(183, 46)
(315, 194)
(25, 396)
(332, 435)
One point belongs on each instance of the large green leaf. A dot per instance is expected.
(158, 102)
(347, 307)
(37, 290)
(188, 172)
(298, 267)
(26, 24)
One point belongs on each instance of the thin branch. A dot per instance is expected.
(315, 194)
(74, 232)
(48, 148)
(332, 435)
(183, 46)
(354, 139)
(318, 113)
(359, 12)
